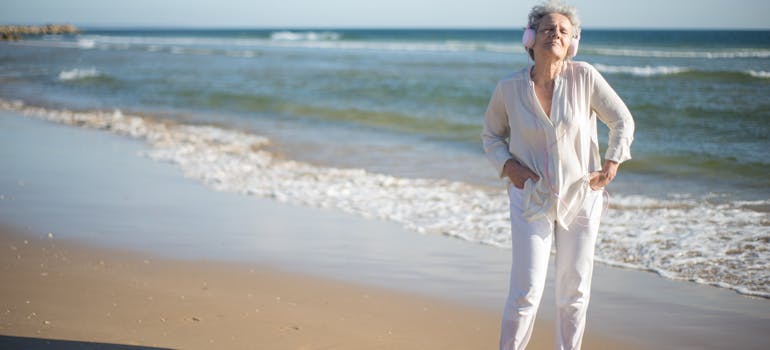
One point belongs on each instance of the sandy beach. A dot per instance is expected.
(62, 291)
(65, 293)
(103, 247)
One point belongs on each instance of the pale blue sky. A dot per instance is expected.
(717, 14)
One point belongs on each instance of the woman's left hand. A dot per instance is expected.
(600, 179)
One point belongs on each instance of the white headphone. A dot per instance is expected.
(528, 39)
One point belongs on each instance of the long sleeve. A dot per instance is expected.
(611, 110)
(496, 131)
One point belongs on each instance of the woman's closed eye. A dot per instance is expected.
(552, 30)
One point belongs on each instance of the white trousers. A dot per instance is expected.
(574, 267)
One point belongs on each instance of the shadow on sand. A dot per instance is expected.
(9, 342)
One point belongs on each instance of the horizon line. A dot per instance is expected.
(357, 27)
(326, 28)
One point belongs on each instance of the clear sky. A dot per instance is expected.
(716, 14)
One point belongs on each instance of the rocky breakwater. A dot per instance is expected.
(10, 32)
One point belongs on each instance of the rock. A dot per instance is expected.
(11, 32)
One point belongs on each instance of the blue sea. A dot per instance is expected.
(386, 124)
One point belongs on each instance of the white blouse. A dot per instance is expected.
(563, 149)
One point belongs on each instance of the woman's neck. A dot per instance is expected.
(545, 74)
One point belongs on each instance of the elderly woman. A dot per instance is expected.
(540, 134)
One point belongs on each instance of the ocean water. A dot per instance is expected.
(386, 123)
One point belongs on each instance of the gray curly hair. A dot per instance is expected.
(552, 6)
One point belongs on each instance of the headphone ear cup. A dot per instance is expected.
(528, 38)
(573, 47)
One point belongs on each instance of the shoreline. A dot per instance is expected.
(103, 193)
(255, 174)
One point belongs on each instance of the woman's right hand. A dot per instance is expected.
(518, 173)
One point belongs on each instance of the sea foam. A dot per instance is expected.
(86, 43)
(304, 36)
(721, 54)
(78, 73)
(645, 71)
(759, 74)
(300, 40)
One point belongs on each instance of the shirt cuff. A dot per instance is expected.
(619, 151)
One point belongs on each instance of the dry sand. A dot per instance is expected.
(64, 294)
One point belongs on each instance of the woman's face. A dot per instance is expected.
(553, 37)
